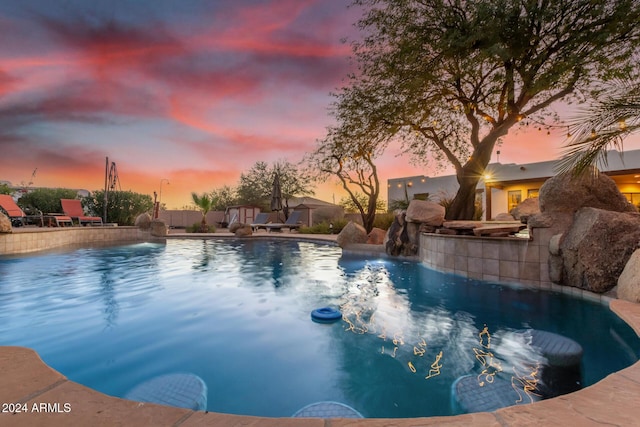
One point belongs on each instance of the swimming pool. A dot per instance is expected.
(236, 313)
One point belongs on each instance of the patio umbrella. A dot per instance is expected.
(276, 194)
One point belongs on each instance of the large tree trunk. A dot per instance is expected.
(367, 221)
(463, 205)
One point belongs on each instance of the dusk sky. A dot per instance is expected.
(194, 92)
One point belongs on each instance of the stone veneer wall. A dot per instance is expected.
(510, 261)
(38, 239)
(494, 259)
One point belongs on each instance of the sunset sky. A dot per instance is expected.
(189, 92)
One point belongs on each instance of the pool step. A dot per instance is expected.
(468, 395)
(182, 390)
(560, 373)
(327, 409)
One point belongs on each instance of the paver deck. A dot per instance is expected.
(33, 394)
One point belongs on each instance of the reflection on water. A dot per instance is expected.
(237, 314)
(490, 366)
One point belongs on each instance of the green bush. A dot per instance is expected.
(122, 206)
(196, 228)
(46, 200)
(383, 221)
(339, 224)
(398, 205)
(324, 227)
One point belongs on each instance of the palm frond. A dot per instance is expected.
(603, 126)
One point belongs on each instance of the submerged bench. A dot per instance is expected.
(559, 373)
(181, 390)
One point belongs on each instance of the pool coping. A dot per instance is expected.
(46, 397)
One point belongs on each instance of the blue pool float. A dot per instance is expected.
(325, 315)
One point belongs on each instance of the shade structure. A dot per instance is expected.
(276, 194)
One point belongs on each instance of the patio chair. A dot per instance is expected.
(73, 208)
(58, 219)
(291, 223)
(12, 210)
(15, 214)
(260, 221)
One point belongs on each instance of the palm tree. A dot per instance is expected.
(612, 118)
(204, 203)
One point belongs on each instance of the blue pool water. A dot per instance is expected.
(237, 314)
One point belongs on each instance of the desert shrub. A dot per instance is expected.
(324, 227)
(383, 221)
(446, 200)
(320, 228)
(339, 224)
(398, 205)
(197, 228)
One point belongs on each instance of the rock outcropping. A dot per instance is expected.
(350, 234)
(5, 224)
(244, 230)
(563, 195)
(376, 236)
(397, 239)
(527, 208)
(596, 248)
(159, 228)
(143, 221)
(595, 230)
(629, 280)
(425, 212)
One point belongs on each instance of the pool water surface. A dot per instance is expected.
(237, 314)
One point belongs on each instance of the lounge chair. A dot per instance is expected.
(12, 210)
(15, 214)
(291, 223)
(260, 221)
(58, 219)
(73, 208)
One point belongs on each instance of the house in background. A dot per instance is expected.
(504, 186)
(315, 210)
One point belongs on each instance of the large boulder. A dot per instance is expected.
(597, 247)
(503, 216)
(158, 228)
(629, 280)
(244, 231)
(143, 221)
(376, 236)
(351, 233)
(235, 226)
(425, 212)
(566, 194)
(527, 208)
(562, 195)
(5, 224)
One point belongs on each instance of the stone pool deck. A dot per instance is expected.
(47, 398)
